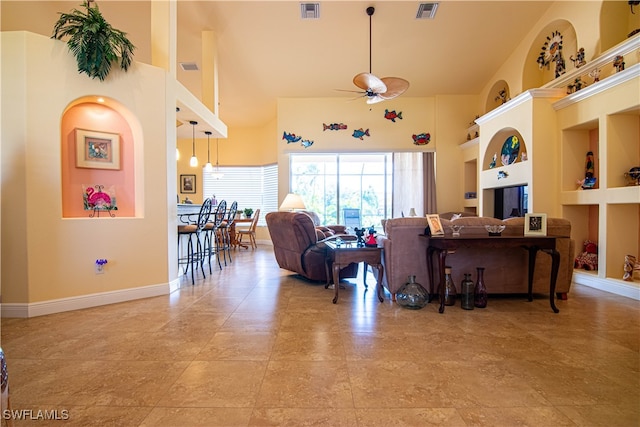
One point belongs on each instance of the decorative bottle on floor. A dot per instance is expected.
(466, 289)
(450, 293)
(480, 291)
(412, 295)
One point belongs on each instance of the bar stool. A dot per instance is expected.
(4, 388)
(225, 228)
(193, 230)
(212, 230)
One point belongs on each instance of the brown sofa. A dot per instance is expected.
(404, 254)
(298, 244)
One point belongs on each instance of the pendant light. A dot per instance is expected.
(208, 168)
(216, 174)
(194, 160)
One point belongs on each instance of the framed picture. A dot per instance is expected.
(97, 150)
(188, 184)
(535, 224)
(435, 225)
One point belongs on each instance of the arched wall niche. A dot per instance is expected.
(532, 75)
(499, 91)
(495, 147)
(101, 114)
(616, 23)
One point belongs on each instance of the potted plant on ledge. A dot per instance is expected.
(248, 212)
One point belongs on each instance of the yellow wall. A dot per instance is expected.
(45, 256)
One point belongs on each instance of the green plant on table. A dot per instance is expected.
(248, 212)
(93, 41)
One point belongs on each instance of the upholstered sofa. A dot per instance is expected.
(298, 244)
(506, 270)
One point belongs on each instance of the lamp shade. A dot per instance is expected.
(292, 202)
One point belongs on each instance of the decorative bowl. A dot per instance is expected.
(495, 230)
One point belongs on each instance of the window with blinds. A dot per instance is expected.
(254, 187)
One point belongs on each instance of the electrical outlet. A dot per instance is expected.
(99, 268)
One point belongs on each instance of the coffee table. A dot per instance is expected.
(340, 256)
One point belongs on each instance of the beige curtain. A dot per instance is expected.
(413, 184)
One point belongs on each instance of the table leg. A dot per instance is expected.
(364, 277)
(336, 281)
(533, 250)
(379, 290)
(430, 271)
(555, 266)
(443, 257)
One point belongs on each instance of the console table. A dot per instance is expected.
(343, 255)
(442, 244)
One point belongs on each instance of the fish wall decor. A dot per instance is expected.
(392, 115)
(422, 138)
(334, 126)
(306, 143)
(291, 137)
(360, 133)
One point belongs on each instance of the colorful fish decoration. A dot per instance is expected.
(334, 126)
(360, 133)
(291, 137)
(306, 143)
(392, 115)
(422, 139)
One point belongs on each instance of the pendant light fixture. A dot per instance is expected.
(216, 174)
(208, 168)
(194, 160)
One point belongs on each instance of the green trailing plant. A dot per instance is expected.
(93, 41)
(248, 212)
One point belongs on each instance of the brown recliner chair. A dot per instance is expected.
(299, 246)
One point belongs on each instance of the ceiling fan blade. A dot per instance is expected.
(367, 81)
(395, 87)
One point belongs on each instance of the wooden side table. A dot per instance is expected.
(340, 256)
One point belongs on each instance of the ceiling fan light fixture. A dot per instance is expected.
(427, 10)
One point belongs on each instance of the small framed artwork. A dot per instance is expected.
(535, 224)
(435, 225)
(97, 150)
(188, 184)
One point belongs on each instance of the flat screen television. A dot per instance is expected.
(510, 201)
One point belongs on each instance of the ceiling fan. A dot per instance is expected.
(378, 89)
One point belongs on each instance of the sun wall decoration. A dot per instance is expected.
(552, 52)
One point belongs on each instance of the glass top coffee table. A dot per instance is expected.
(340, 256)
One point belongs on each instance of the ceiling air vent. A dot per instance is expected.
(189, 66)
(310, 10)
(427, 10)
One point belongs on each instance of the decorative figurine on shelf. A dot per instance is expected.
(523, 156)
(493, 161)
(589, 180)
(618, 63)
(630, 265)
(502, 174)
(595, 74)
(578, 61)
(360, 236)
(576, 86)
(552, 52)
(371, 238)
(503, 97)
(633, 176)
(588, 259)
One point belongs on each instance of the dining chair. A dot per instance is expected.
(225, 232)
(193, 229)
(212, 232)
(251, 231)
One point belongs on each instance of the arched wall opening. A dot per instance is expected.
(84, 172)
(498, 95)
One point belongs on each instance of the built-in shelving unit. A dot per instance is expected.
(605, 121)
(470, 169)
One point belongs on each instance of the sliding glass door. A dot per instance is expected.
(351, 189)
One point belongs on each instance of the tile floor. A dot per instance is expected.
(253, 346)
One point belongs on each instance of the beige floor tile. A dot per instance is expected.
(603, 415)
(319, 346)
(409, 417)
(197, 417)
(520, 416)
(238, 345)
(296, 417)
(216, 384)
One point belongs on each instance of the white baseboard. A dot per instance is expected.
(42, 308)
(614, 286)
